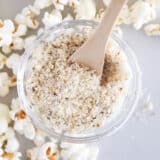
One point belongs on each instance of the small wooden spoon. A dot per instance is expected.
(92, 53)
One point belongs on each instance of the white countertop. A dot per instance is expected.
(139, 138)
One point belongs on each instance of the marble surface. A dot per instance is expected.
(139, 138)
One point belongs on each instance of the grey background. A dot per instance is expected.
(139, 139)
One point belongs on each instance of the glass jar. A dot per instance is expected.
(111, 126)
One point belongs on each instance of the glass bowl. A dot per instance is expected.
(111, 126)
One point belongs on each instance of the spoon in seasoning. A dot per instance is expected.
(92, 53)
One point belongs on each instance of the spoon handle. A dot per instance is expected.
(109, 19)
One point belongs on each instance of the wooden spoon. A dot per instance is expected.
(92, 53)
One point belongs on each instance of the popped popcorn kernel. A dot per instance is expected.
(152, 29)
(41, 4)
(13, 63)
(3, 60)
(6, 49)
(17, 44)
(51, 19)
(4, 84)
(85, 9)
(21, 30)
(141, 12)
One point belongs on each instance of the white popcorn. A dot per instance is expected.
(152, 29)
(4, 112)
(79, 152)
(4, 84)
(106, 2)
(19, 126)
(10, 133)
(154, 3)
(17, 44)
(85, 9)
(3, 60)
(29, 130)
(31, 11)
(21, 30)
(22, 123)
(51, 19)
(39, 138)
(60, 4)
(27, 17)
(11, 156)
(21, 19)
(12, 145)
(6, 49)
(6, 30)
(41, 4)
(32, 154)
(3, 125)
(48, 151)
(13, 62)
(141, 13)
(7, 26)
(29, 40)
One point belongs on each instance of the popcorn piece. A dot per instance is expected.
(29, 40)
(21, 30)
(27, 17)
(48, 151)
(17, 44)
(3, 60)
(31, 11)
(141, 13)
(85, 9)
(6, 29)
(39, 138)
(152, 29)
(79, 151)
(11, 156)
(12, 81)
(60, 4)
(106, 2)
(51, 19)
(20, 19)
(41, 4)
(3, 125)
(6, 49)
(4, 84)
(12, 145)
(13, 62)
(22, 123)
(29, 130)
(32, 154)
(4, 112)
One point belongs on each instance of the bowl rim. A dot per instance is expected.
(37, 122)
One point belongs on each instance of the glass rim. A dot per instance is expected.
(26, 104)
